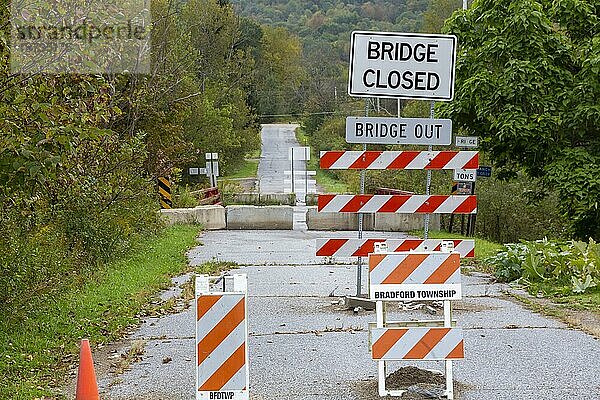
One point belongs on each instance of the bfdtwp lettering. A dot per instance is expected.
(221, 395)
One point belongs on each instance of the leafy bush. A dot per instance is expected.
(567, 266)
(505, 212)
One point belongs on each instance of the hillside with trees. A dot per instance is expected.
(317, 22)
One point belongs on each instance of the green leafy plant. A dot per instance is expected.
(565, 266)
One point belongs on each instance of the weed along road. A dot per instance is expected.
(303, 345)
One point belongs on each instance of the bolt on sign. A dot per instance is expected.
(465, 175)
(221, 341)
(402, 65)
(466, 141)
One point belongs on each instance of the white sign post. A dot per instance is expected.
(420, 131)
(402, 65)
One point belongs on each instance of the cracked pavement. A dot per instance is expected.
(303, 345)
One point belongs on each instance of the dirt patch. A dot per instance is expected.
(407, 376)
(420, 384)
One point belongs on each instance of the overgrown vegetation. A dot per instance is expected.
(38, 344)
(506, 213)
(528, 83)
(80, 154)
(248, 169)
(553, 268)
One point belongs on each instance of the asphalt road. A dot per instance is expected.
(274, 161)
(302, 346)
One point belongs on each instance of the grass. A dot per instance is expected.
(37, 352)
(483, 248)
(248, 169)
(586, 301)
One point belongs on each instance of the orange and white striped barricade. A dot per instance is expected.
(222, 340)
(398, 204)
(397, 344)
(414, 276)
(400, 160)
(418, 276)
(339, 247)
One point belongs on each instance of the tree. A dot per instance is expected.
(279, 72)
(528, 83)
(437, 12)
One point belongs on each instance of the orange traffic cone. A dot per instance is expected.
(87, 388)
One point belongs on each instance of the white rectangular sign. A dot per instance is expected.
(425, 131)
(212, 168)
(403, 65)
(465, 175)
(299, 153)
(404, 292)
(466, 141)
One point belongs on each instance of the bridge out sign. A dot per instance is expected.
(402, 65)
(398, 130)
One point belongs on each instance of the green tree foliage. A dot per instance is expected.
(80, 154)
(279, 72)
(505, 213)
(437, 13)
(528, 83)
(331, 22)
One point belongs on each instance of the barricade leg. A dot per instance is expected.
(448, 363)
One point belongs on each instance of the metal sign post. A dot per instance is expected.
(428, 183)
(360, 218)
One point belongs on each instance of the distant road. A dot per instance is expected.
(276, 140)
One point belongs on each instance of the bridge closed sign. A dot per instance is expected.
(402, 65)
